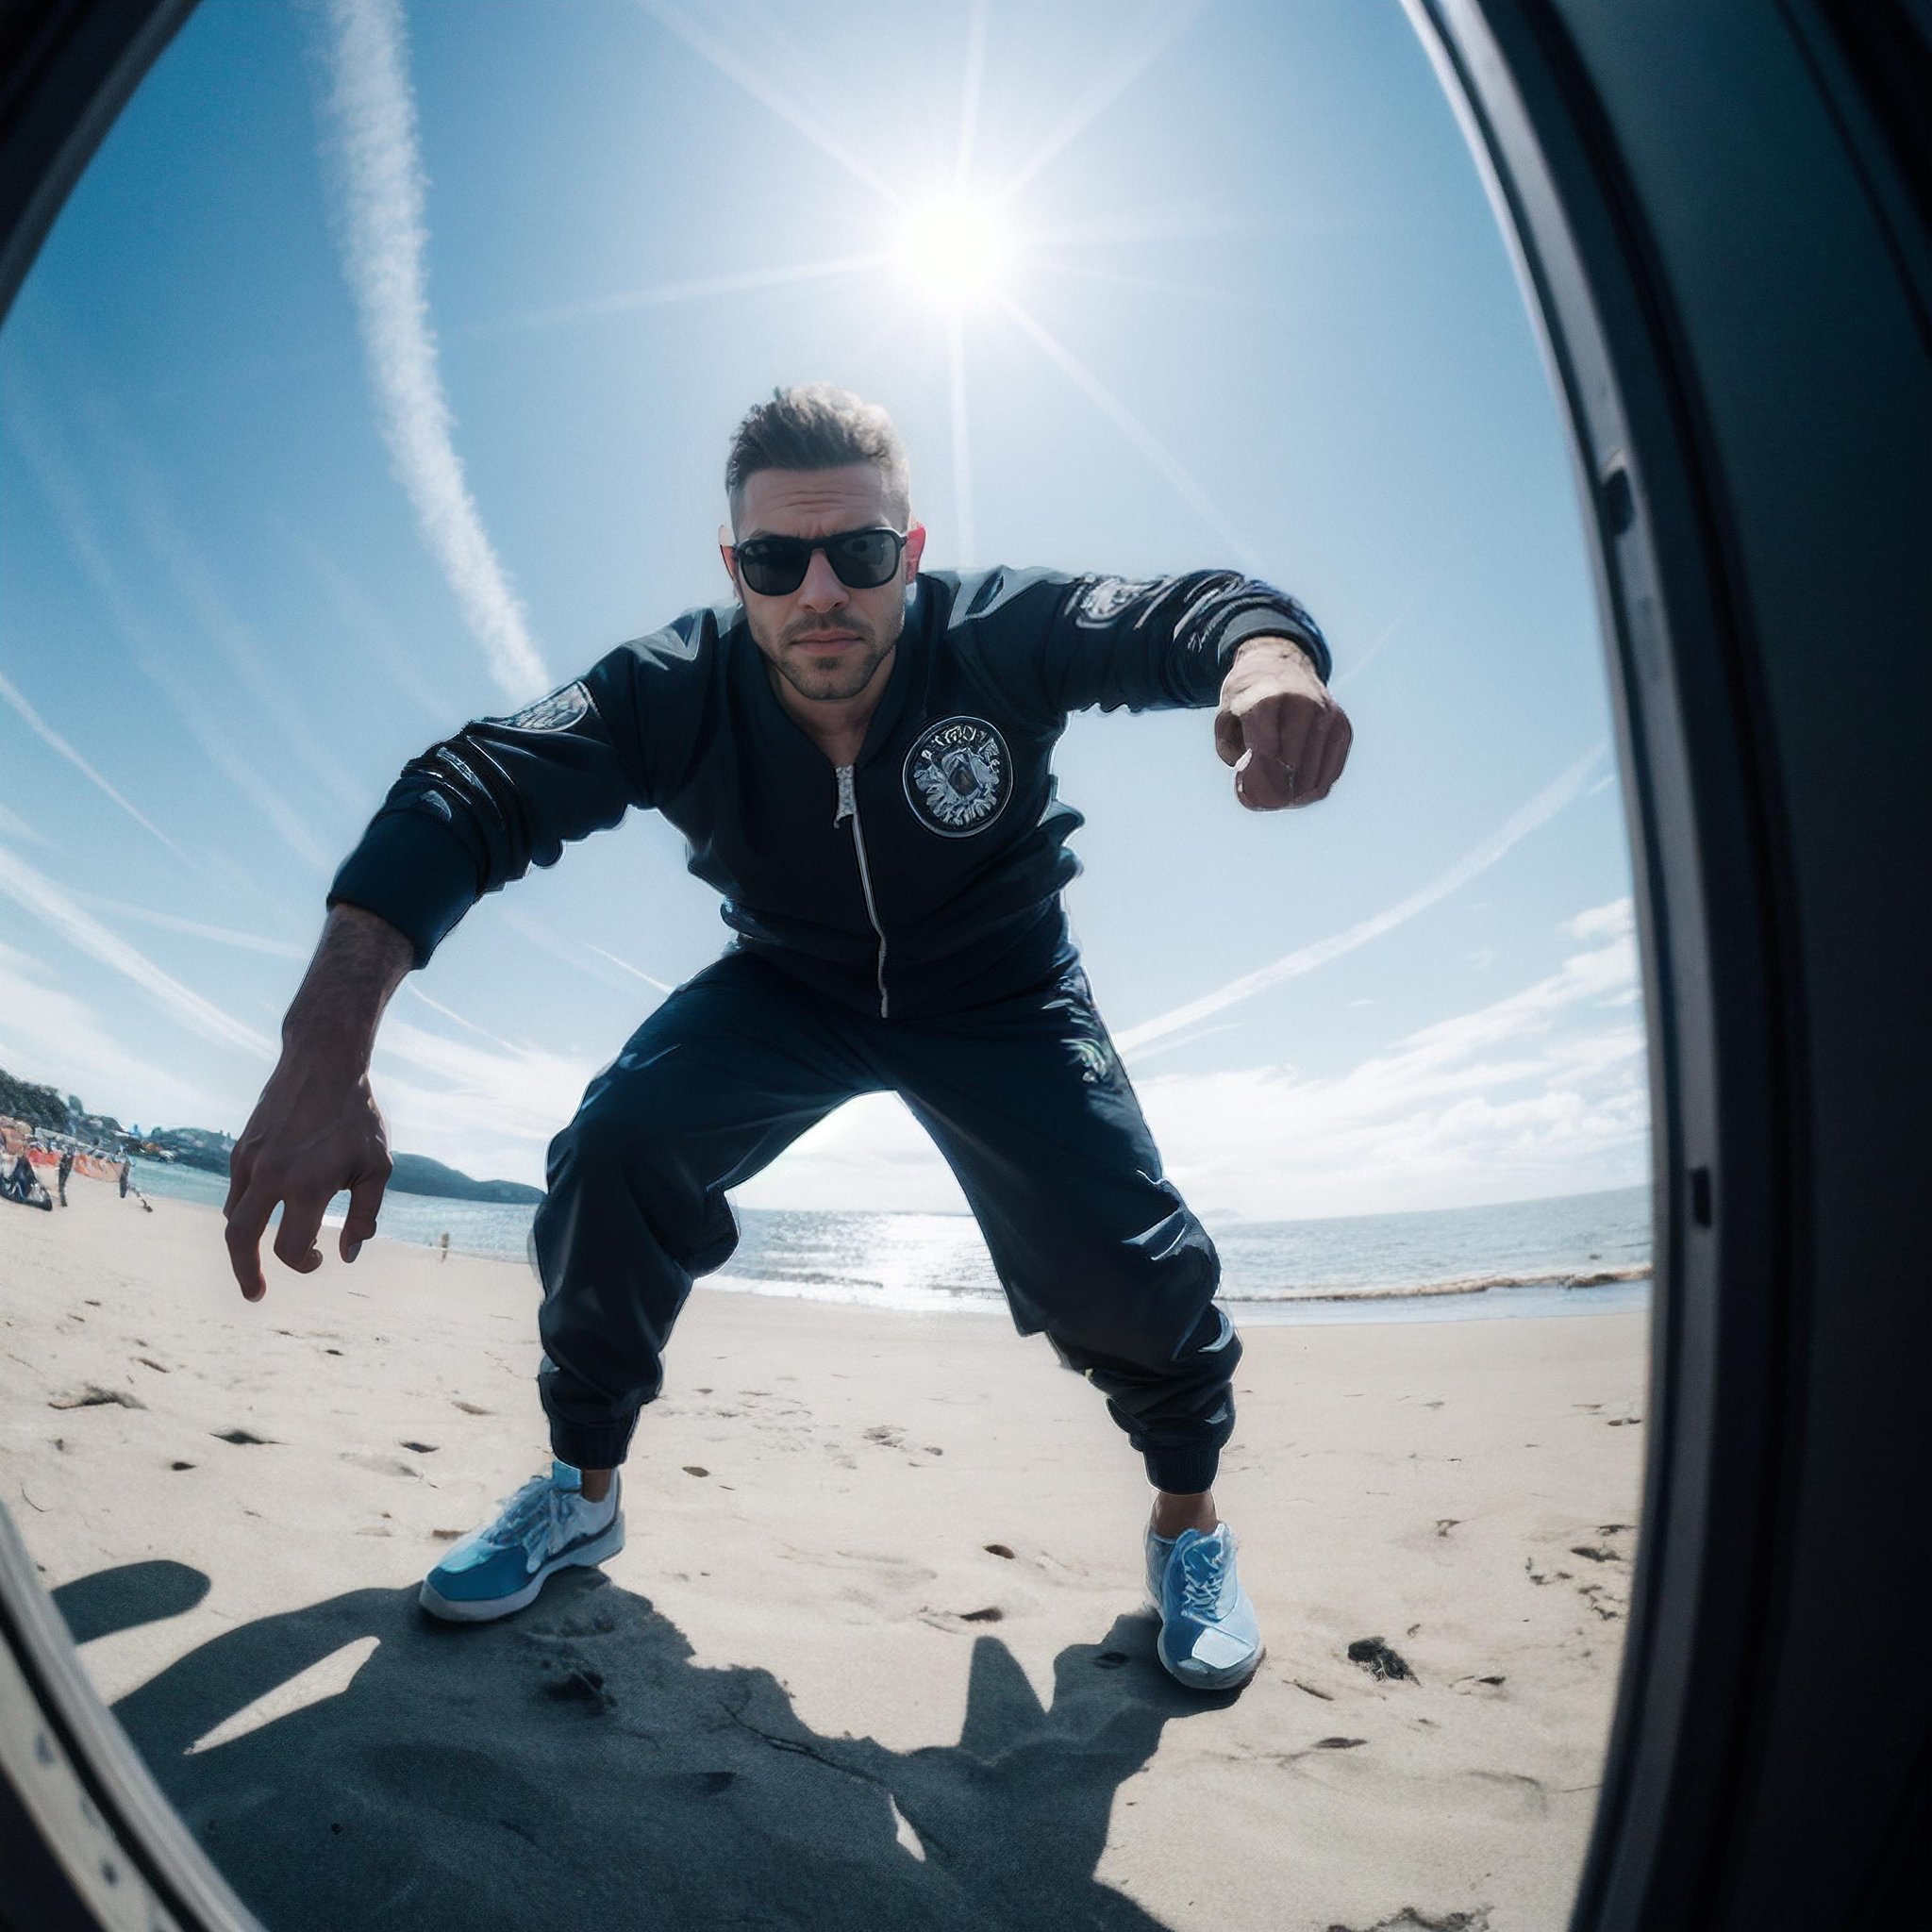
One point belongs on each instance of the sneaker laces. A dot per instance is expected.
(1204, 1567)
(530, 1518)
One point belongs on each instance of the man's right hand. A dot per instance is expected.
(317, 1128)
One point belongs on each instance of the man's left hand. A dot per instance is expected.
(1286, 737)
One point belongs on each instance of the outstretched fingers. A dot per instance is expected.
(365, 1203)
(248, 1210)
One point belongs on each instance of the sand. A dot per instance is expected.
(873, 1655)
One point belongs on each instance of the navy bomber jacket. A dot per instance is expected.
(922, 880)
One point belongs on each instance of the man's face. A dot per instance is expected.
(825, 639)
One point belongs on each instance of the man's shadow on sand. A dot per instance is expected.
(572, 1767)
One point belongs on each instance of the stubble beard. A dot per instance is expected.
(847, 676)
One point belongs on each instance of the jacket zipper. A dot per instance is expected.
(848, 809)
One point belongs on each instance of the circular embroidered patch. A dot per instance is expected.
(959, 776)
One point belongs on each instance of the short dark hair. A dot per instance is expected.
(817, 426)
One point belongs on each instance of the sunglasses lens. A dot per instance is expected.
(865, 558)
(774, 566)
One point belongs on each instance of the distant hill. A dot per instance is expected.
(416, 1173)
(43, 1106)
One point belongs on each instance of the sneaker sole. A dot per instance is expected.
(486, 1609)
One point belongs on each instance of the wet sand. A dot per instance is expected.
(872, 1655)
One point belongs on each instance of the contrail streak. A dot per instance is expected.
(42, 898)
(57, 483)
(1138, 433)
(410, 986)
(636, 973)
(51, 737)
(1518, 826)
(195, 928)
(371, 113)
(147, 498)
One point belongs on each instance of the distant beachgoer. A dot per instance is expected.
(860, 756)
(442, 1243)
(66, 1168)
(126, 1169)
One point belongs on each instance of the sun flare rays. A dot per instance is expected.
(958, 244)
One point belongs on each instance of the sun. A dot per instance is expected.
(956, 250)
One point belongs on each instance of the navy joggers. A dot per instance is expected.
(1026, 1100)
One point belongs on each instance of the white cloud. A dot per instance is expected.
(1614, 920)
(370, 112)
(1528, 1095)
(488, 1110)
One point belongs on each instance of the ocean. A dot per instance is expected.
(1568, 1255)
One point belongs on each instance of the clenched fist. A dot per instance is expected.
(1286, 737)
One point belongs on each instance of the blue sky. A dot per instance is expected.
(382, 366)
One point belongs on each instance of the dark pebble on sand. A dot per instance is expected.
(992, 1614)
(996, 1550)
(1379, 1661)
(696, 1468)
(1338, 1743)
(180, 1465)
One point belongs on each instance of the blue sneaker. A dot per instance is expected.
(546, 1526)
(1209, 1637)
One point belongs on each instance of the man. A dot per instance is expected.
(858, 757)
(66, 1168)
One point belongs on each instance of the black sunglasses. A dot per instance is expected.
(860, 559)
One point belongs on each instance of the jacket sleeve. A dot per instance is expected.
(503, 795)
(1152, 644)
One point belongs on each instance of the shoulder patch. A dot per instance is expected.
(557, 712)
(959, 776)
